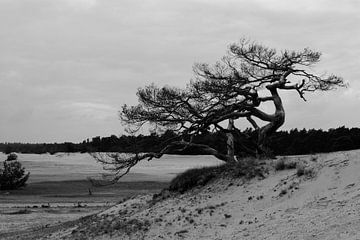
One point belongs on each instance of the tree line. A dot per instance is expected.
(293, 142)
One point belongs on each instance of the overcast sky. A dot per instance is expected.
(67, 66)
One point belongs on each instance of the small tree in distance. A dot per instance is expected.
(235, 87)
(11, 157)
(12, 175)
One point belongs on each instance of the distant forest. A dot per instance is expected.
(291, 142)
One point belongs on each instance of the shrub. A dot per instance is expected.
(310, 172)
(284, 163)
(197, 177)
(12, 157)
(300, 170)
(247, 168)
(192, 178)
(12, 176)
(307, 171)
(280, 164)
(291, 165)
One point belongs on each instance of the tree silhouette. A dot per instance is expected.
(235, 87)
(12, 175)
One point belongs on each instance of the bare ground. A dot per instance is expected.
(44, 206)
(323, 205)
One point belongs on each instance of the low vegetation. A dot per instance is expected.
(96, 226)
(12, 157)
(247, 168)
(303, 170)
(197, 177)
(284, 163)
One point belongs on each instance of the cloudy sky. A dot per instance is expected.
(67, 66)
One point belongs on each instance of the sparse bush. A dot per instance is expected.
(280, 164)
(300, 169)
(313, 158)
(284, 163)
(193, 178)
(12, 157)
(310, 172)
(12, 176)
(247, 168)
(290, 165)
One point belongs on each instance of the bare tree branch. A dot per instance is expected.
(227, 90)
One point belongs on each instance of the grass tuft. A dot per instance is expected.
(192, 178)
(302, 170)
(280, 164)
(284, 163)
(197, 177)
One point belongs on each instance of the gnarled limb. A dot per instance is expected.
(276, 121)
(121, 165)
(227, 91)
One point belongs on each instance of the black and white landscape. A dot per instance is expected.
(179, 119)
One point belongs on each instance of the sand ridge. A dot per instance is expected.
(281, 206)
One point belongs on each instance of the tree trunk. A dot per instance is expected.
(230, 141)
(276, 122)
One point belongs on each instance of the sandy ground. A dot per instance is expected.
(79, 166)
(281, 206)
(45, 204)
(58, 193)
(325, 205)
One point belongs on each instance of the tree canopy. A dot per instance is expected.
(233, 88)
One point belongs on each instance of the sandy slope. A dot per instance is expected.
(326, 206)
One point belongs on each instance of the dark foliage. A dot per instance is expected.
(12, 176)
(300, 170)
(193, 178)
(283, 164)
(12, 157)
(311, 141)
(291, 142)
(280, 165)
(197, 177)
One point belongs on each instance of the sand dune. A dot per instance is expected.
(281, 206)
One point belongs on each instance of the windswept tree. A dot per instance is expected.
(235, 87)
